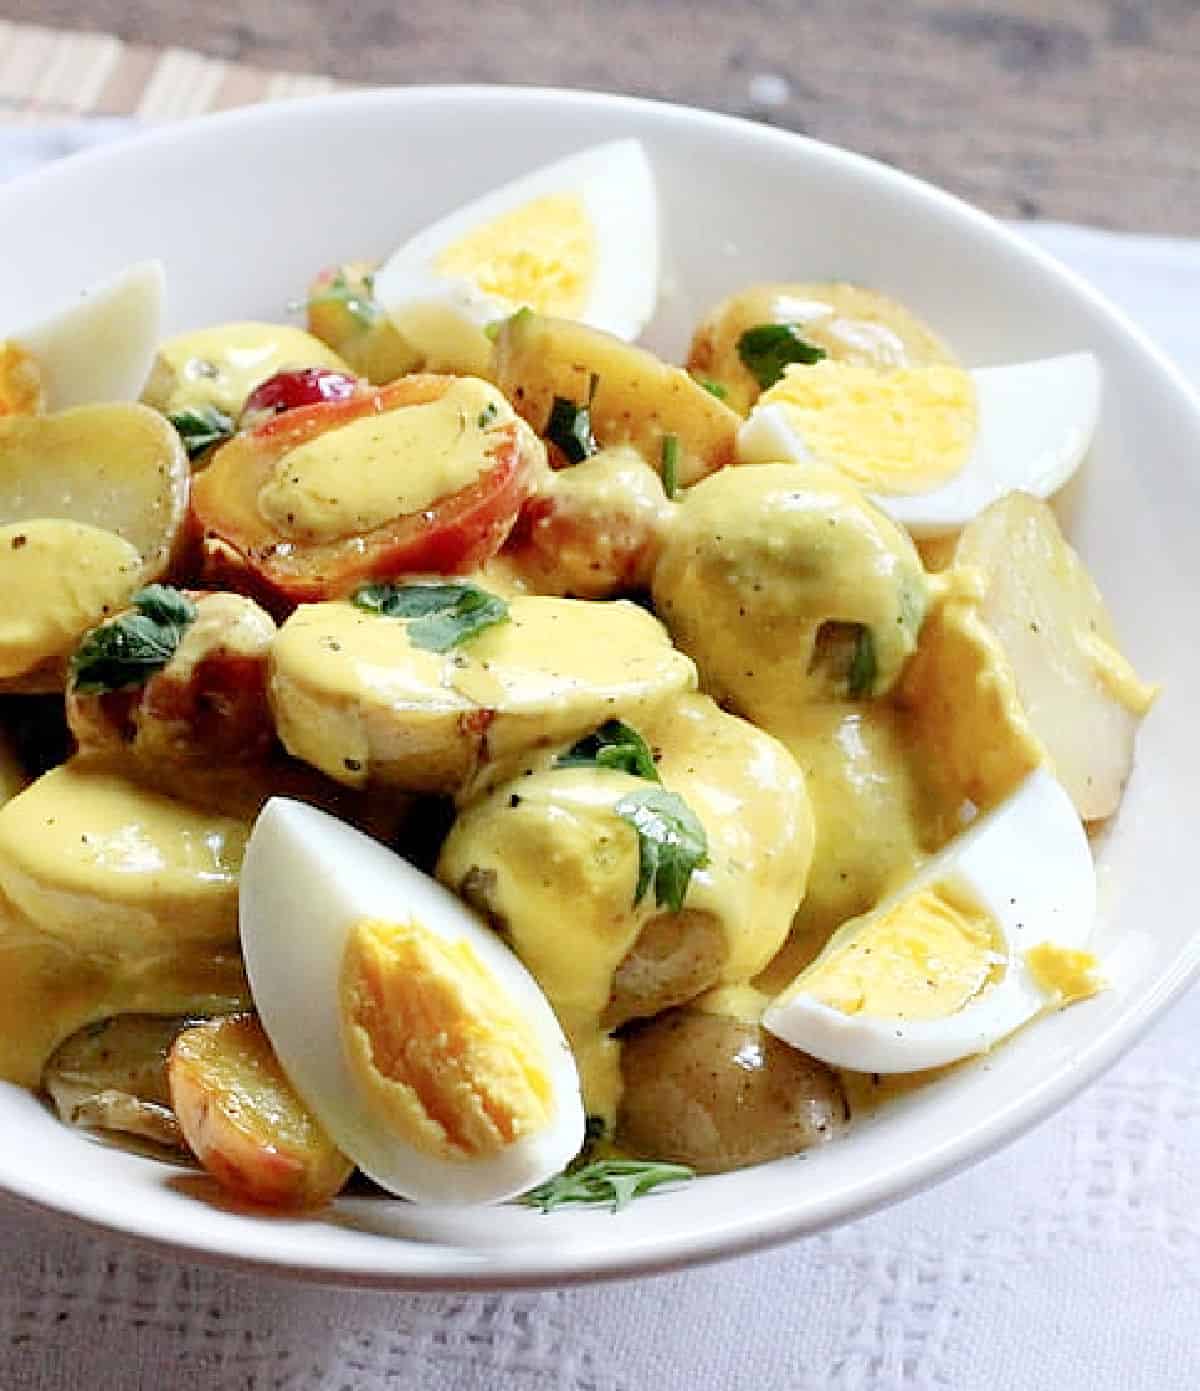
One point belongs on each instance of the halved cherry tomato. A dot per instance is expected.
(287, 391)
(457, 534)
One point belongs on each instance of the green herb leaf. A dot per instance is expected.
(613, 1182)
(713, 388)
(570, 426)
(488, 415)
(356, 300)
(440, 615)
(200, 427)
(767, 349)
(671, 844)
(863, 666)
(670, 465)
(614, 745)
(128, 650)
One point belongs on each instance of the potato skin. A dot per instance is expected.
(675, 958)
(720, 1093)
(244, 1122)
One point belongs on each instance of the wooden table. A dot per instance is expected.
(1077, 109)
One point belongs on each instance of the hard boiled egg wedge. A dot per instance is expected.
(987, 935)
(934, 444)
(577, 239)
(100, 348)
(419, 1041)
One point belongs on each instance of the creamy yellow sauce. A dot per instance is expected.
(758, 564)
(353, 479)
(353, 696)
(112, 899)
(1116, 674)
(221, 366)
(561, 866)
(58, 579)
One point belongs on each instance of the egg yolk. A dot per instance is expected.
(436, 1043)
(21, 388)
(925, 958)
(541, 254)
(1064, 972)
(351, 480)
(905, 431)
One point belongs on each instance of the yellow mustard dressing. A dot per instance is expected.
(221, 366)
(112, 898)
(353, 479)
(542, 254)
(1116, 674)
(437, 1044)
(58, 578)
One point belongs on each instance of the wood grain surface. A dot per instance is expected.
(1077, 109)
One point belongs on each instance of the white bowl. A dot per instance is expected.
(244, 207)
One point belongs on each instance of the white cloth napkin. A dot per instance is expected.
(1069, 1261)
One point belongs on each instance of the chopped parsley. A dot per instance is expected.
(713, 388)
(492, 330)
(670, 465)
(671, 844)
(570, 426)
(440, 615)
(767, 349)
(488, 415)
(614, 745)
(355, 299)
(200, 427)
(128, 650)
(863, 666)
(613, 1182)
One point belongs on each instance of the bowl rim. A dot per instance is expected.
(744, 1235)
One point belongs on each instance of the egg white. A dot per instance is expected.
(1036, 422)
(616, 186)
(102, 347)
(1027, 862)
(306, 880)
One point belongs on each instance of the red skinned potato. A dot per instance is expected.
(243, 1121)
(281, 563)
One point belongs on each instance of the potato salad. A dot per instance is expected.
(447, 743)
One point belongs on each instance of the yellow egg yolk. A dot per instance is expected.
(542, 254)
(351, 480)
(437, 1044)
(905, 431)
(22, 391)
(924, 958)
(1063, 972)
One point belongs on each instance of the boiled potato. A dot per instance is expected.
(207, 707)
(92, 504)
(344, 314)
(787, 586)
(219, 367)
(676, 957)
(1023, 668)
(113, 1076)
(718, 1092)
(243, 1121)
(847, 322)
(639, 399)
(353, 696)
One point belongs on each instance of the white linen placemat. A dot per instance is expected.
(1069, 1261)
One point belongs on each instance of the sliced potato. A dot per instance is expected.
(639, 399)
(355, 698)
(221, 366)
(113, 1076)
(718, 1092)
(1023, 667)
(245, 1123)
(113, 899)
(207, 707)
(849, 323)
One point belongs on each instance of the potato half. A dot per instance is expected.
(92, 504)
